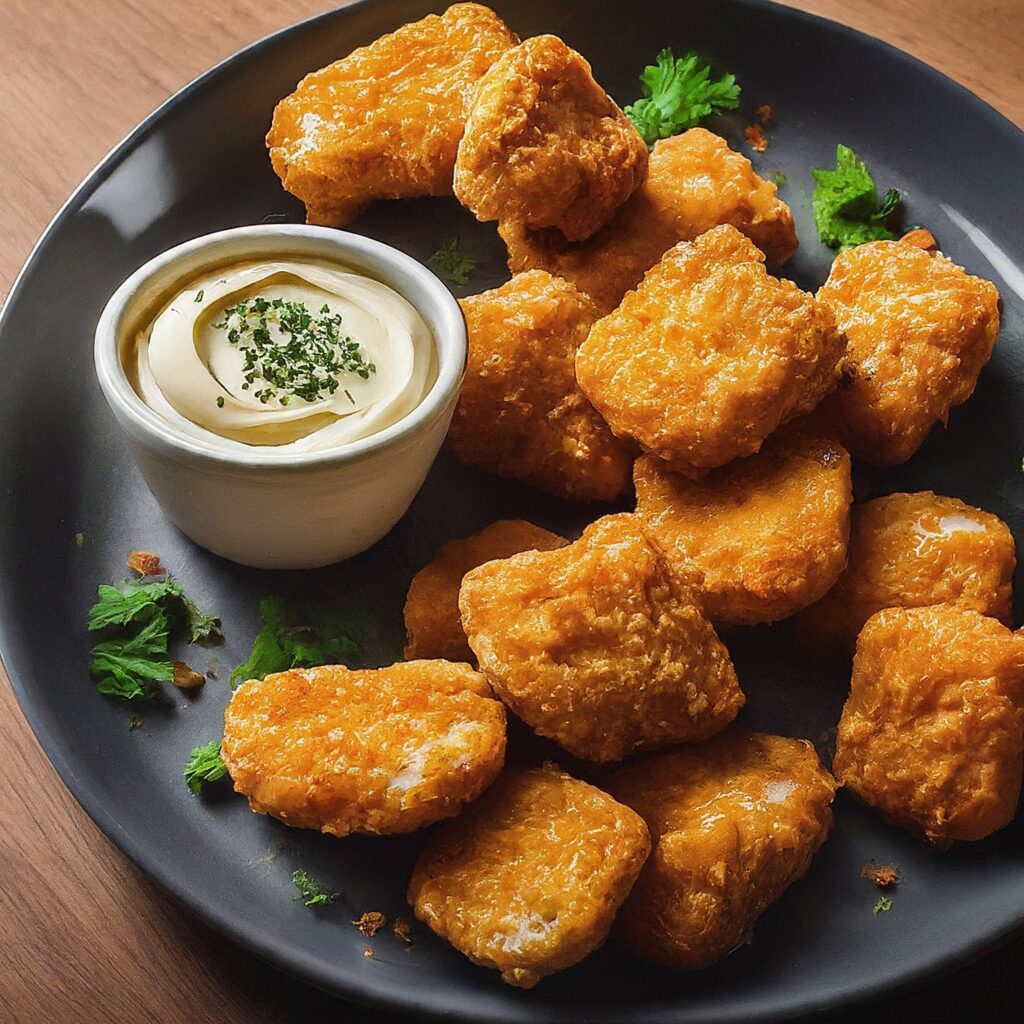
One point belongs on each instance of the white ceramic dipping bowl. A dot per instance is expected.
(280, 510)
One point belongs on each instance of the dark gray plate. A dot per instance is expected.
(198, 165)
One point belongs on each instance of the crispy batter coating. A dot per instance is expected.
(432, 620)
(734, 821)
(372, 750)
(694, 182)
(931, 732)
(520, 412)
(545, 146)
(598, 646)
(385, 121)
(529, 878)
(920, 330)
(760, 538)
(910, 550)
(709, 355)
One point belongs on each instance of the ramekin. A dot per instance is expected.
(274, 509)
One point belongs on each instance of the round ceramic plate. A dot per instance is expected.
(198, 165)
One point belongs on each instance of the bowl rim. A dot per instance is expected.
(445, 320)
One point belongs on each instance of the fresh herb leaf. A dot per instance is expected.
(137, 600)
(678, 93)
(204, 765)
(128, 667)
(312, 891)
(845, 203)
(199, 295)
(780, 179)
(287, 641)
(452, 263)
(200, 626)
(80, 539)
(883, 905)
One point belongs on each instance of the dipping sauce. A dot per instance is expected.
(290, 354)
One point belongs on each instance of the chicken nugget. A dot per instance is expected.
(920, 330)
(432, 621)
(760, 538)
(735, 822)
(694, 182)
(385, 121)
(528, 879)
(545, 146)
(598, 646)
(910, 550)
(709, 355)
(520, 413)
(931, 732)
(371, 750)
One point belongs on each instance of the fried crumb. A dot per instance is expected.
(368, 952)
(371, 922)
(186, 678)
(403, 930)
(145, 563)
(883, 875)
(756, 138)
(765, 114)
(135, 723)
(922, 238)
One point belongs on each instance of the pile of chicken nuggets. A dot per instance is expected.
(643, 345)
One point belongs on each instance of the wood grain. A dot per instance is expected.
(84, 937)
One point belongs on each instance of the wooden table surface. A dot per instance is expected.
(84, 936)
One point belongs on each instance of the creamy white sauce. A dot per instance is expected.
(187, 370)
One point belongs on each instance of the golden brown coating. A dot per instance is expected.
(931, 732)
(371, 750)
(528, 879)
(709, 355)
(598, 646)
(694, 182)
(385, 121)
(910, 550)
(432, 621)
(545, 146)
(919, 330)
(760, 538)
(520, 412)
(734, 821)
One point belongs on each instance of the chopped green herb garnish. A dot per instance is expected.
(678, 94)
(199, 295)
(312, 891)
(883, 905)
(204, 765)
(80, 540)
(452, 263)
(289, 352)
(780, 179)
(136, 600)
(845, 203)
(220, 401)
(128, 667)
(286, 641)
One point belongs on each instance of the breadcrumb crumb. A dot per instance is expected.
(756, 138)
(145, 563)
(186, 678)
(403, 930)
(368, 952)
(371, 922)
(765, 114)
(883, 875)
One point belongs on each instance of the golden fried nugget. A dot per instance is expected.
(371, 750)
(598, 646)
(760, 538)
(735, 821)
(528, 879)
(910, 550)
(694, 182)
(920, 330)
(545, 146)
(931, 732)
(520, 412)
(709, 355)
(432, 620)
(385, 121)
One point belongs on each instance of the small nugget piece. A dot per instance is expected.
(598, 646)
(432, 620)
(371, 750)
(735, 822)
(920, 330)
(520, 412)
(694, 182)
(528, 879)
(545, 146)
(760, 538)
(910, 550)
(385, 121)
(709, 355)
(931, 732)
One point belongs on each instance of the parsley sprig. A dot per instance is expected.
(204, 765)
(452, 263)
(845, 203)
(289, 352)
(678, 93)
(312, 891)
